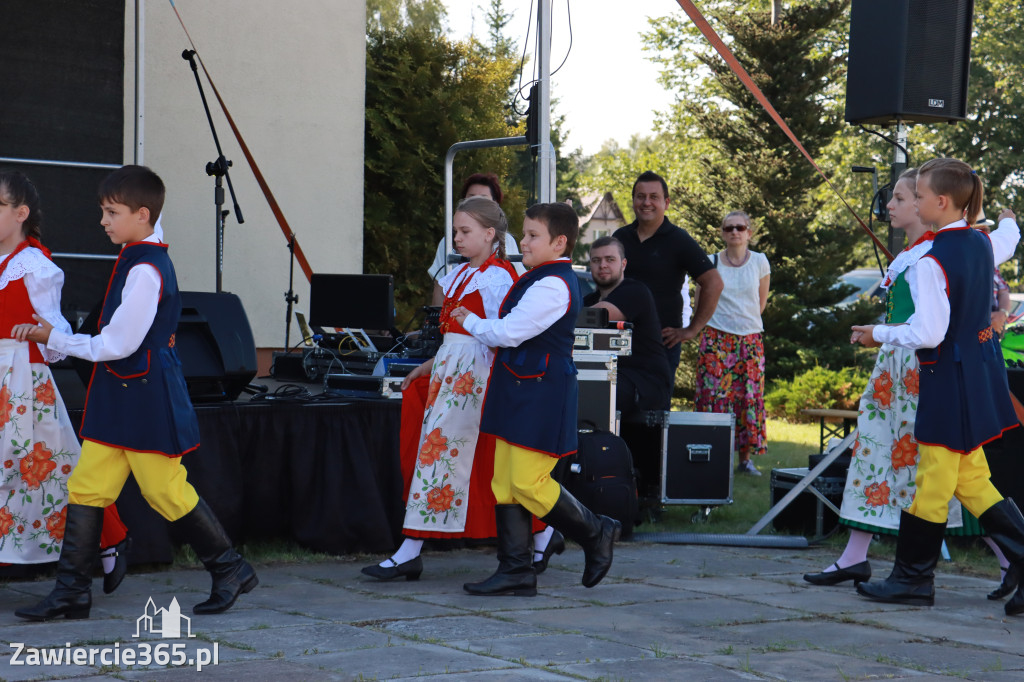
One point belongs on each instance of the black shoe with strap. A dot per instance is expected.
(1005, 525)
(858, 573)
(232, 575)
(556, 545)
(912, 580)
(594, 533)
(72, 596)
(410, 570)
(120, 553)
(1009, 583)
(515, 574)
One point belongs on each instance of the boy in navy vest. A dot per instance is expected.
(964, 398)
(530, 407)
(138, 418)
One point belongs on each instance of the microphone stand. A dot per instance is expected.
(290, 296)
(218, 169)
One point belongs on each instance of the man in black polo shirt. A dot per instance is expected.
(644, 378)
(660, 255)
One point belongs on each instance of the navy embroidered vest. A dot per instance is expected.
(141, 402)
(965, 399)
(532, 394)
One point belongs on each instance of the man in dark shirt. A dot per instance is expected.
(645, 379)
(660, 255)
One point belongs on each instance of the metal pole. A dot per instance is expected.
(140, 78)
(449, 188)
(806, 481)
(899, 164)
(546, 157)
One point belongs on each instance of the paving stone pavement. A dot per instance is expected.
(665, 612)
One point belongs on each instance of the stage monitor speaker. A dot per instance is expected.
(909, 60)
(215, 344)
(213, 340)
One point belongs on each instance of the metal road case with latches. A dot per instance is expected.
(696, 457)
(617, 341)
(597, 374)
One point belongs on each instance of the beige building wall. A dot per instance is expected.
(292, 76)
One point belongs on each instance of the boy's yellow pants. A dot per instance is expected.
(102, 470)
(942, 473)
(524, 477)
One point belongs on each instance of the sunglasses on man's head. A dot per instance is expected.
(734, 228)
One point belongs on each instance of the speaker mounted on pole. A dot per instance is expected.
(909, 60)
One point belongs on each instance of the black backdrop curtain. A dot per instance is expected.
(326, 475)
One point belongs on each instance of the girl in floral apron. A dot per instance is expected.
(38, 446)
(450, 494)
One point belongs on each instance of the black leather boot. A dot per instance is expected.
(515, 574)
(232, 575)
(72, 597)
(594, 533)
(1005, 525)
(912, 580)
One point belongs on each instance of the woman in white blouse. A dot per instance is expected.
(730, 368)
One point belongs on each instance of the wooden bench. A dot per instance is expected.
(834, 423)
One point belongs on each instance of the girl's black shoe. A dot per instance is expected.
(411, 569)
(556, 545)
(858, 573)
(1009, 584)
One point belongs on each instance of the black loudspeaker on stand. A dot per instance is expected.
(214, 342)
(909, 60)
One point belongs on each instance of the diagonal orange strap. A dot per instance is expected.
(300, 257)
(741, 73)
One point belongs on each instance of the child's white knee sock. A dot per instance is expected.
(409, 550)
(856, 550)
(540, 542)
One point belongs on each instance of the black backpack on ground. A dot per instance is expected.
(600, 475)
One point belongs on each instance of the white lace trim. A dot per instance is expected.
(904, 260)
(29, 260)
(494, 277)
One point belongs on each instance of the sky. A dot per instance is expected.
(607, 89)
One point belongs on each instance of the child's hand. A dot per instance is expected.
(1006, 213)
(31, 332)
(421, 370)
(459, 314)
(864, 335)
(998, 318)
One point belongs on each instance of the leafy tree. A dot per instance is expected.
(423, 94)
(397, 14)
(720, 151)
(739, 159)
(497, 19)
